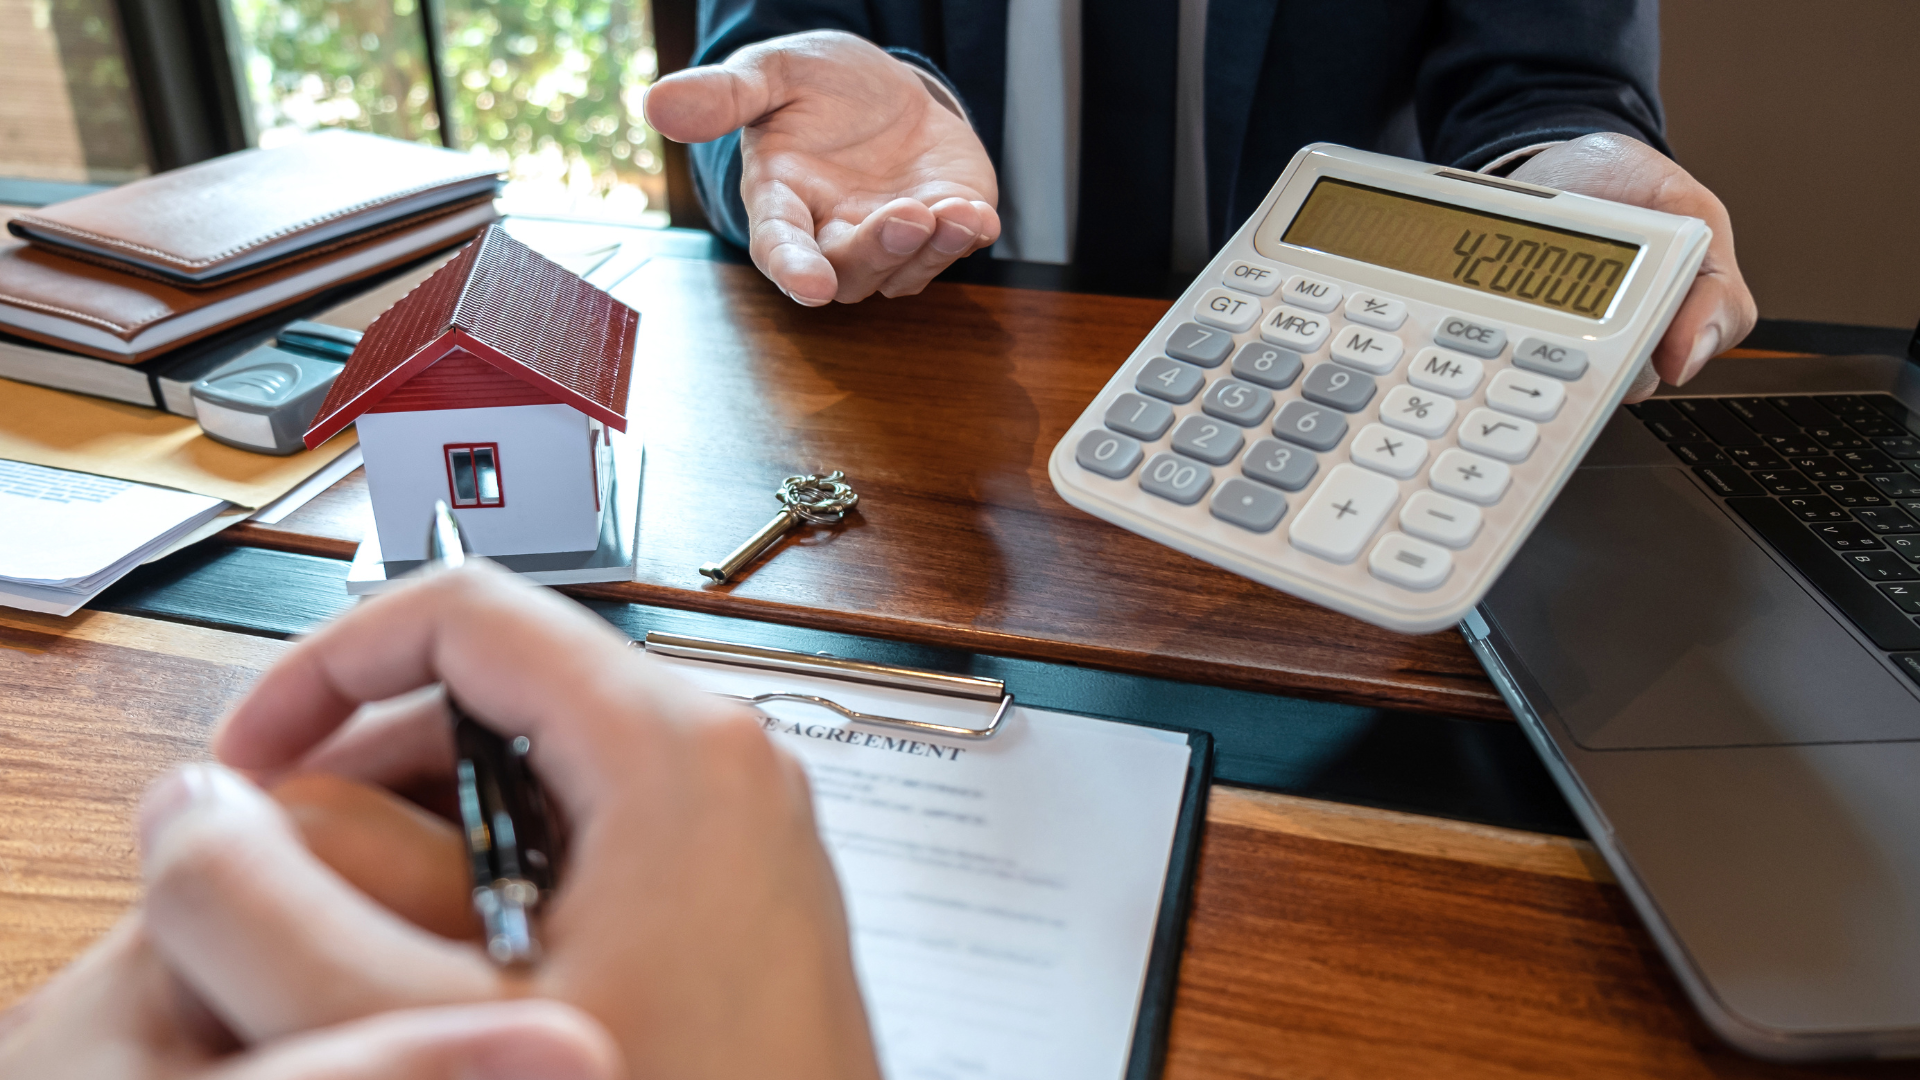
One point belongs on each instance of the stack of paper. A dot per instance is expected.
(65, 536)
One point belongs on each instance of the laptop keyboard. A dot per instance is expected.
(1831, 481)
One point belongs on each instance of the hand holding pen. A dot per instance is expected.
(697, 917)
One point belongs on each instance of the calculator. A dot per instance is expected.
(1372, 394)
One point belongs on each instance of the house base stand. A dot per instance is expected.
(612, 561)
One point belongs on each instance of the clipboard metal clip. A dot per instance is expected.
(970, 687)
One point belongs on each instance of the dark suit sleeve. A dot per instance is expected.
(725, 27)
(1506, 74)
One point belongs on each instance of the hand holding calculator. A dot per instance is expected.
(1373, 392)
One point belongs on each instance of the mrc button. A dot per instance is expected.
(1459, 332)
(1559, 361)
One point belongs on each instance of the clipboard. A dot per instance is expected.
(994, 703)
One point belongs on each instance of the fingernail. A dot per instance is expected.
(952, 239)
(1705, 347)
(902, 237)
(180, 791)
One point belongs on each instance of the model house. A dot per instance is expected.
(492, 385)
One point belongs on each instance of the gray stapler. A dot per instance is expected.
(265, 399)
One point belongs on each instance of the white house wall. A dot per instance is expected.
(546, 478)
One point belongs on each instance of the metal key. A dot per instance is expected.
(820, 499)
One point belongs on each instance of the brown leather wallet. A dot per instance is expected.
(88, 308)
(246, 213)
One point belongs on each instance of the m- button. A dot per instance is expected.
(1456, 332)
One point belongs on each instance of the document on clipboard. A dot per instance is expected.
(1015, 878)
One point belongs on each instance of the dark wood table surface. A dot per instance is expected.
(1325, 941)
(942, 408)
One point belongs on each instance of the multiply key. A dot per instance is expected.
(819, 499)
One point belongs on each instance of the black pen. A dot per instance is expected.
(503, 810)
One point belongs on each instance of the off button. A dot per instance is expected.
(1477, 339)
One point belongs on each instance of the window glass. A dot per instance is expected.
(461, 468)
(66, 107)
(488, 476)
(359, 64)
(550, 89)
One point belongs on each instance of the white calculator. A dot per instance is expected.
(1381, 382)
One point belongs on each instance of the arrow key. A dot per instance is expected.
(1532, 396)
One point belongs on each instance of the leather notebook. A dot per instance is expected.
(89, 308)
(246, 213)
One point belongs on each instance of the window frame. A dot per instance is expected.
(479, 501)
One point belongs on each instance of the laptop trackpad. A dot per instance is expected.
(1650, 619)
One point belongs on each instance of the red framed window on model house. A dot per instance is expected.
(473, 474)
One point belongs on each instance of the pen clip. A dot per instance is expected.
(446, 544)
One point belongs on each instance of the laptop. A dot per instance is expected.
(1713, 640)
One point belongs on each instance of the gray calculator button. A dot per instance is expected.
(1478, 339)
(1310, 426)
(1248, 505)
(1171, 476)
(1169, 379)
(1341, 387)
(1212, 441)
(1559, 361)
(1242, 403)
(1268, 365)
(1107, 454)
(1200, 344)
(1281, 464)
(1140, 417)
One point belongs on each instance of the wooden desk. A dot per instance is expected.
(1325, 941)
(942, 408)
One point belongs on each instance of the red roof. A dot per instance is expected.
(504, 304)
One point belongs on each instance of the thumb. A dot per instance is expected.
(704, 103)
(511, 1040)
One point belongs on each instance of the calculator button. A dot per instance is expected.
(1445, 372)
(1140, 417)
(1284, 466)
(1196, 343)
(1526, 395)
(1256, 278)
(1376, 311)
(1169, 380)
(1423, 412)
(1301, 331)
(1340, 387)
(1311, 293)
(1430, 515)
(1459, 332)
(1369, 350)
(1547, 358)
(1172, 477)
(1409, 563)
(1107, 454)
(1215, 442)
(1508, 438)
(1242, 403)
(1248, 505)
(1268, 365)
(1310, 426)
(1469, 476)
(1383, 449)
(1228, 310)
(1340, 518)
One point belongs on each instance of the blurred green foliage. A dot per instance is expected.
(551, 88)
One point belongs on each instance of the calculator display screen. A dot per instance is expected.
(1546, 267)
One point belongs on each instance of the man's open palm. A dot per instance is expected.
(856, 179)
